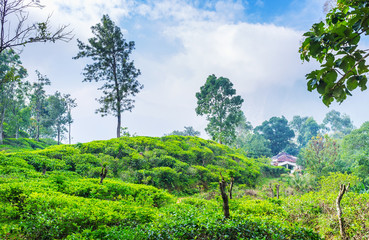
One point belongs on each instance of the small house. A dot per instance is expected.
(285, 160)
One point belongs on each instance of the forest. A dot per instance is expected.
(181, 186)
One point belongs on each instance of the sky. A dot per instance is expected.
(178, 44)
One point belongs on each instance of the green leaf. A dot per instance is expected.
(347, 63)
(330, 77)
(327, 99)
(338, 93)
(321, 87)
(315, 48)
(362, 68)
(352, 83)
(330, 59)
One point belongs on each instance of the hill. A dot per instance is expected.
(154, 190)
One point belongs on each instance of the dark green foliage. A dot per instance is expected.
(273, 171)
(277, 131)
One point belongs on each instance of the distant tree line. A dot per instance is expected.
(25, 108)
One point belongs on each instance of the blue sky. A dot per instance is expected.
(179, 43)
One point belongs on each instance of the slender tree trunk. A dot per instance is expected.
(58, 135)
(119, 98)
(343, 190)
(16, 131)
(231, 188)
(222, 186)
(2, 26)
(38, 127)
(271, 190)
(119, 125)
(277, 190)
(69, 129)
(2, 126)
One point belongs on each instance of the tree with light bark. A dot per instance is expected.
(110, 54)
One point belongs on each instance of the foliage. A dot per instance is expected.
(200, 219)
(254, 145)
(188, 131)
(334, 44)
(320, 155)
(111, 64)
(218, 101)
(318, 210)
(58, 113)
(11, 73)
(23, 144)
(305, 128)
(340, 125)
(66, 203)
(277, 131)
(332, 182)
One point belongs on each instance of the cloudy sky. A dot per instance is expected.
(179, 43)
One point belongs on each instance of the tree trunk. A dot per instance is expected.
(277, 190)
(222, 186)
(2, 126)
(271, 190)
(103, 173)
(69, 129)
(230, 188)
(38, 127)
(118, 125)
(58, 135)
(119, 98)
(341, 222)
(17, 132)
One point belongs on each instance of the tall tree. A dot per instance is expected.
(38, 102)
(334, 43)
(15, 32)
(305, 128)
(255, 145)
(71, 103)
(339, 124)
(19, 113)
(320, 155)
(277, 131)
(57, 113)
(11, 73)
(111, 64)
(218, 101)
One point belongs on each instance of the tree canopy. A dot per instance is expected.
(334, 43)
(110, 53)
(305, 128)
(188, 131)
(217, 100)
(339, 124)
(277, 131)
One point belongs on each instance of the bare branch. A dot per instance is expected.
(20, 33)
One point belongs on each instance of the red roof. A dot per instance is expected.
(284, 157)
